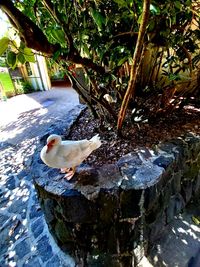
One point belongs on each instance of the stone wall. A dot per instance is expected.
(112, 215)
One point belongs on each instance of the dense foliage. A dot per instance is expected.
(128, 50)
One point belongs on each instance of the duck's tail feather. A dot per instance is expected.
(95, 141)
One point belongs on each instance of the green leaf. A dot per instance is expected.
(3, 44)
(56, 55)
(22, 45)
(130, 60)
(121, 61)
(61, 4)
(121, 3)
(197, 33)
(100, 53)
(98, 18)
(29, 55)
(173, 19)
(21, 58)
(177, 4)
(86, 49)
(152, 25)
(58, 35)
(174, 77)
(139, 19)
(12, 59)
(188, 2)
(155, 10)
(196, 220)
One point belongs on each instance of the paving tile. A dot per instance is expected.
(28, 118)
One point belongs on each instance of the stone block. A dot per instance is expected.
(108, 206)
(49, 207)
(22, 249)
(141, 177)
(10, 183)
(112, 241)
(78, 209)
(53, 262)
(164, 179)
(165, 195)
(191, 171)
(63, 233)
(176, 182)
(3, 219)
(176, 205)
(151, 195)
(128, 234)
(35, 211)
(44, 249)
(130, 203)
(32, 261)
(196, 184)
(164, 161)
(152, 213)
(18, 205)
(186, 190)
(129, 159)
(105, 259)
(157, 227)
(37, 227)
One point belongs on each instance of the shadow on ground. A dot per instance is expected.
(30, 115)
(180, 243)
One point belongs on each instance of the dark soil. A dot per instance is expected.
(144, 134)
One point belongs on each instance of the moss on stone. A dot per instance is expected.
(192, 172)
(62, 232)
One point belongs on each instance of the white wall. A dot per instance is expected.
(40, 77)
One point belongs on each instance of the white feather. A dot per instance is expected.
(67, 154)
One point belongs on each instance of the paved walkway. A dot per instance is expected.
(27, 116)
(24, 236)
(179, 245)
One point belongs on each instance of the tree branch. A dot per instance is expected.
(34, 38)
(73, 55)
(135, 66)
(28, 30)
(50, 7)
(125, 33)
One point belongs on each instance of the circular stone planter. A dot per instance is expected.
(111, 215)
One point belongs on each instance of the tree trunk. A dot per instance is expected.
(135, 67)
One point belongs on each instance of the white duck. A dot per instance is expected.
(67, 154)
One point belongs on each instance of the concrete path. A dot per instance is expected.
(27, 116)
(179, 245)
(24, 236)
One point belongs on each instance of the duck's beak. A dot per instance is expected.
(49, 146)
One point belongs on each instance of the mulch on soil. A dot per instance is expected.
(144, 134)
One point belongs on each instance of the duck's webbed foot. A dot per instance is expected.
(69, 172)
(64, 170)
